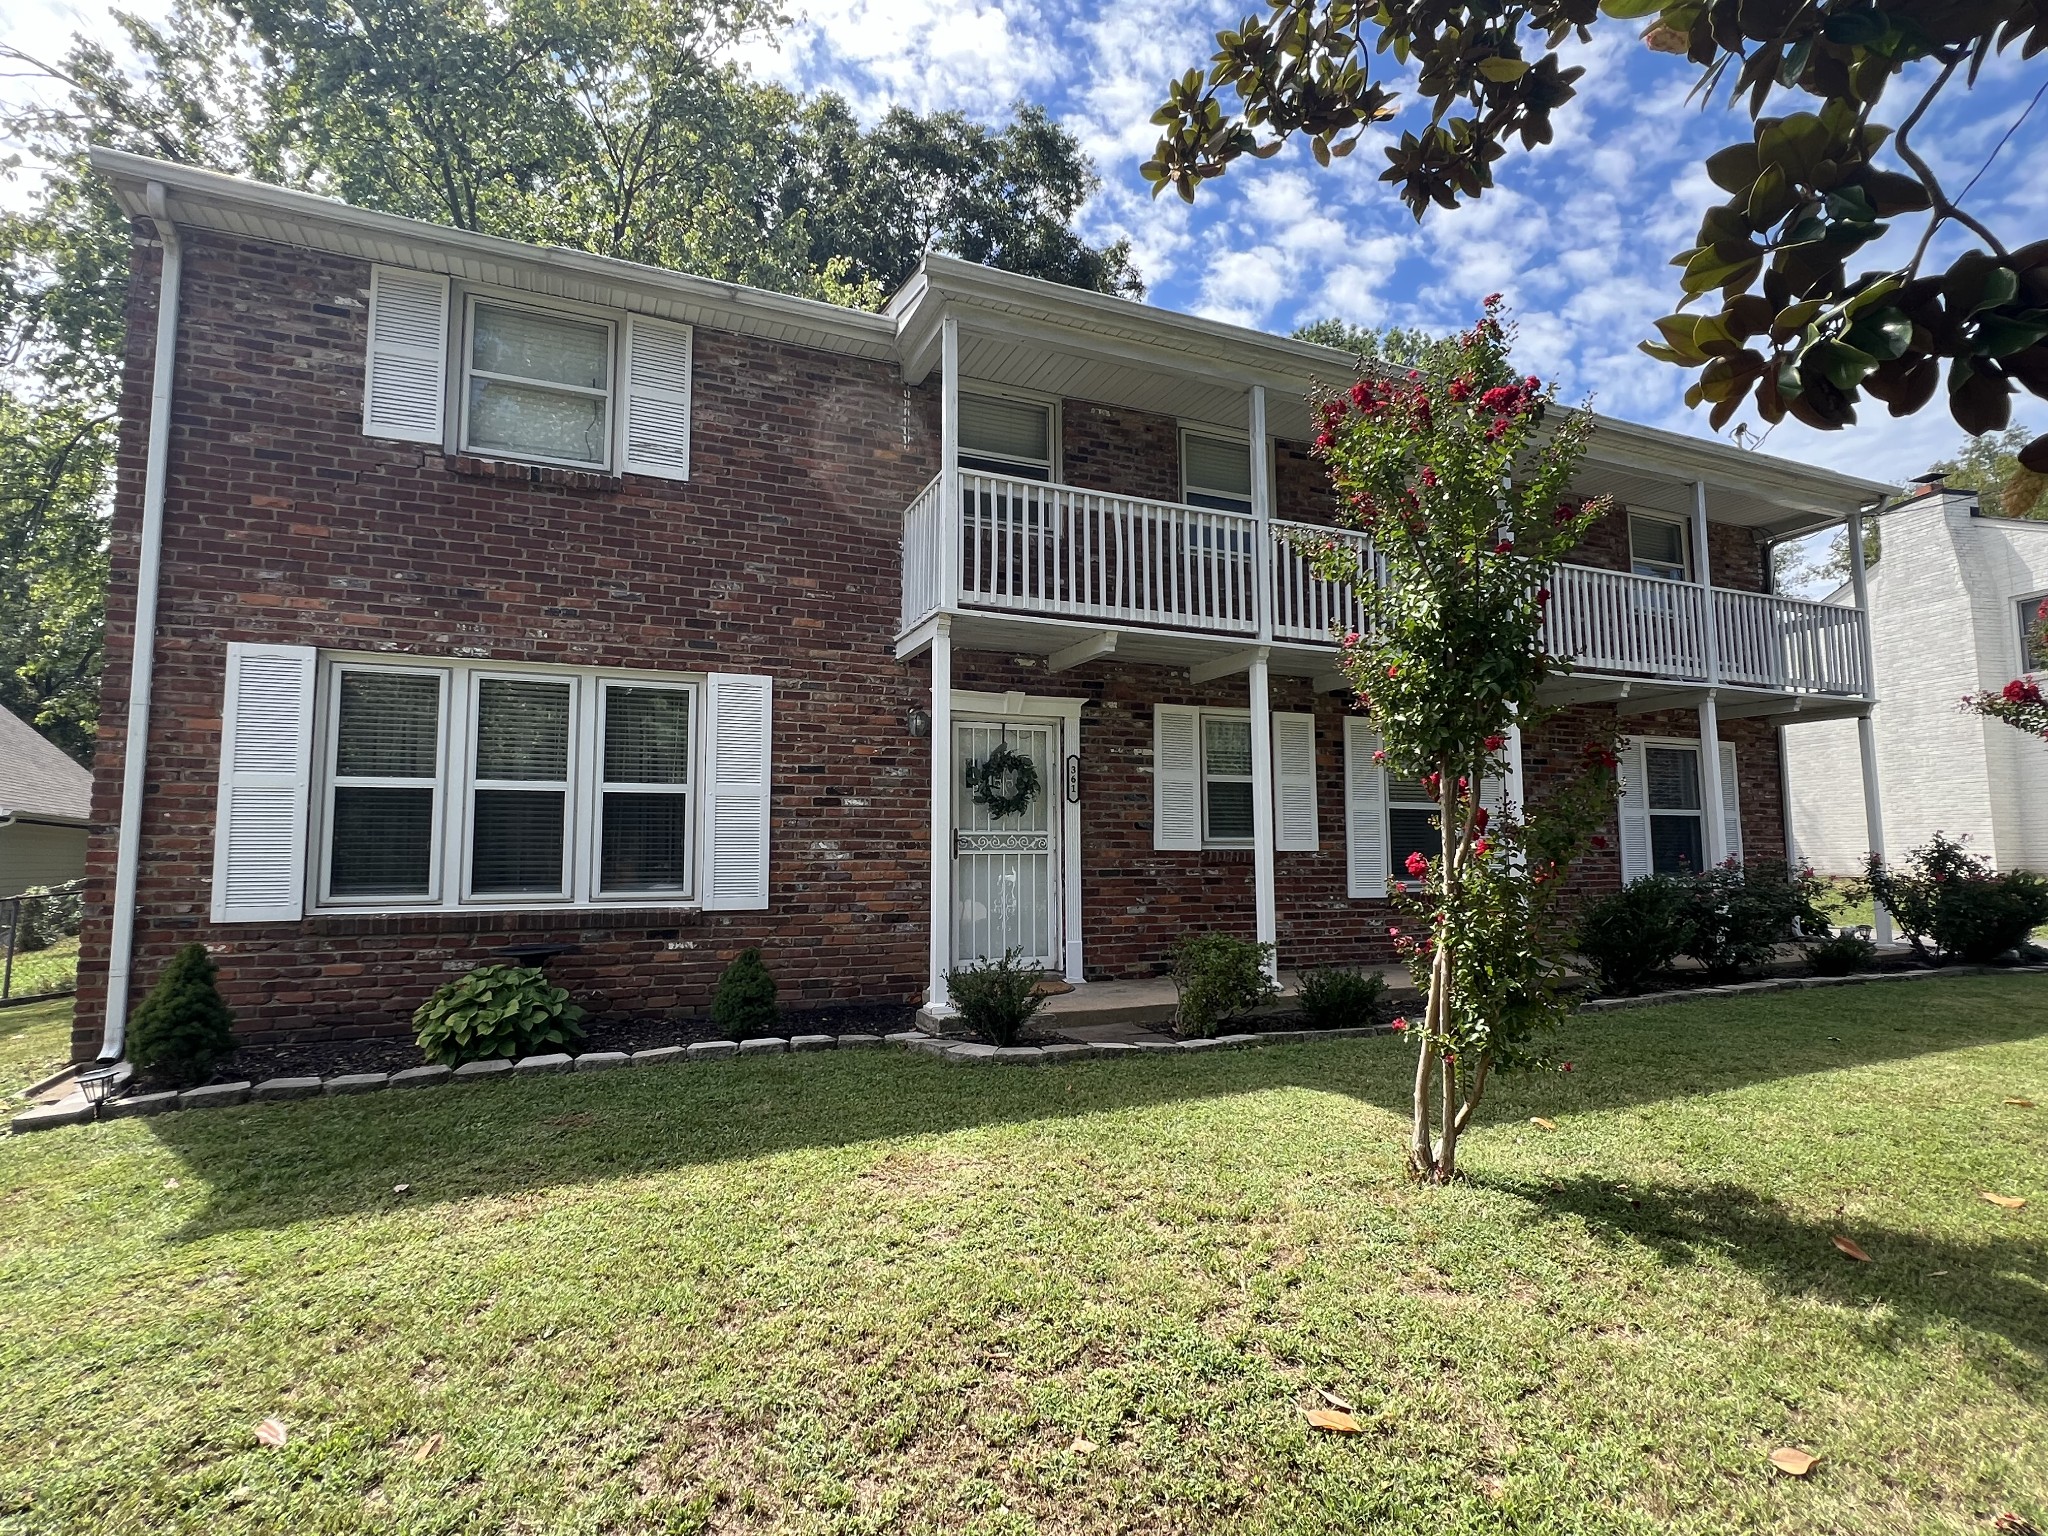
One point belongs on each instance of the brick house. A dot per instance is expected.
(500, 596)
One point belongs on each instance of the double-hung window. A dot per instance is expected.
(1677, 818)
(1226, 779)
(384, 792)
(2033, 619)
(644, 789)
(519, 784)
(1657, 546)
(537, 385)
(1002, 435)
(1411, 823)
(1216, 472)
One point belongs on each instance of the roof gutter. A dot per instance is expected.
(142, 660)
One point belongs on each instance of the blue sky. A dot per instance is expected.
(1577, 235)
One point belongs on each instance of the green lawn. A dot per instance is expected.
(879, 1294)
(35, 1040)
(45, 970)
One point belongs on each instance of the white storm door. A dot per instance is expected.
(1006, 885)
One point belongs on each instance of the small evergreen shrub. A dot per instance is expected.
(995, 997)
(1333, 997)
(1946, 897)
(183, 1030)
(496, 1010)
(1632, 935)
(1840, 955)
(743, 1008)
(48, 913)
(1736, 915)
(1218, 978)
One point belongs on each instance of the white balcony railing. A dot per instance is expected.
(1025, 546)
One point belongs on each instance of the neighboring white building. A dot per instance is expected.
(1951, 606)
(45, 810)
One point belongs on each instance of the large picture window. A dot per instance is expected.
(537, 385)
(469, 784)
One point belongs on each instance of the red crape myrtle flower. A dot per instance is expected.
(1418, 866)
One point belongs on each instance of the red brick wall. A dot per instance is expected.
(1302, 486)
(284, 523)
(1129, 453)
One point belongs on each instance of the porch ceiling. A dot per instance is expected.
(1024, 635)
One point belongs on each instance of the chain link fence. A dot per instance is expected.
(41, 938)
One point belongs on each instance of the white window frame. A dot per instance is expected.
(568, 786)
(1651, 813)
(1189, 489)
(461, 372)
(328, 738)
(1052, 464)
(2024, 609)
(1202, 775)
(1684, 528)
(689, 790)
(454, 810)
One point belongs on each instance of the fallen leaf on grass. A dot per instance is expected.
(1851, 1250)
(1332, 1399)
(401, 1189)
(1332, 1420)
(1082, 1445)
(1791, 1460)
(2021, 1103)
(2004, 1202)
(1539, 1121)
(173, 1183)
(432, 1444)
(271, 1432)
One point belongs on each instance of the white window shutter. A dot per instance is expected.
(657, 398)
(1365, 812)
(1635, 812)
(1176, 778)
(1294, 783)
(266, 765)
(736, 797)
(1731, 803)
(405, 377)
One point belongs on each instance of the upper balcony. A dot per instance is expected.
(1171, 580)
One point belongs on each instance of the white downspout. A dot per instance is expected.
(142, 660)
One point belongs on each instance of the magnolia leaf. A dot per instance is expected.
(1334, 1420)
(1630, 10)
(1850, 1248)
(432, 1444)
(1542, 1124)
(2004, 1202)
(271, 1432)
(1790, 1459)
(1082, 1445)
(1503, 70)
(2027, 1103)
(1332, 1399)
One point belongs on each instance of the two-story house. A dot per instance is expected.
(472, 595)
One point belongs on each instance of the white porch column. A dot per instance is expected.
(1517, 790)
(949, 464)
(1263, 903)
(1711, 825)
(936, 996)
(1866, 731)
(1262, 509)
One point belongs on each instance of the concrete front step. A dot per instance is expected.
(1133, 1012)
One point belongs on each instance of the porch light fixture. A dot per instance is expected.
(96, 1085)
(920, 722)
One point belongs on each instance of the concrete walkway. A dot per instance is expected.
(1135, 1012)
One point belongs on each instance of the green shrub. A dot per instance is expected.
(183, 1030)
(1840, 955)
(1737, 915)
(1333, 997)
(496, 1010)
(1632, 935)
(1218, 978)
(997, 998)
(47, 914)
(1947, 897)
(743, 1008)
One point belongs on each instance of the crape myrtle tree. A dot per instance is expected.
(1782, 316)
(1459, 472)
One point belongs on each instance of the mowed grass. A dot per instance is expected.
(35, 1040)
(878, 1294)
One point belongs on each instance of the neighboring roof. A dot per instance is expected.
(1041, 335)
(38, 782)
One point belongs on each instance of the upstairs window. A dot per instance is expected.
(1658, 546)
(1216, 472)
(1004, 436)
(537, 386)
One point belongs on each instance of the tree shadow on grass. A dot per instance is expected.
(1997, 1285)
(270, 1165)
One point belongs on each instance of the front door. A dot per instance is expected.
(1006, 868)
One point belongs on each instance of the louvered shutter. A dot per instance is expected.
(1176, 778)
(266, 763)
(1365, 812)
(657, 403)
(1294, 783)
(738, 719)
(405, 378)
(1635, 812)
(1731, 803)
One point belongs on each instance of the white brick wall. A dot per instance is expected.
(1943, 624)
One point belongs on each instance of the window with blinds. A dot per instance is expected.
(644, 811)
(1411, 823)
(537, 385)
(1216, 472)
(1227, 779)
(1002, 436)
(466, 784)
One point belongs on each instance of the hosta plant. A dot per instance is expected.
(496, 1010)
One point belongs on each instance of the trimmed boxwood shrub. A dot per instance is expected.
(743, 1007)
(997, 997)
(183, 1030)
(1632, 935)
(1218, 978)
(1335, 997)
(496, 1010)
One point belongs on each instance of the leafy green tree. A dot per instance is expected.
(1784, 321)
(1374, 344)
(1990, 466)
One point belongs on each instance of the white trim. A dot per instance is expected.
(259, 846)
(1066, 712)
(326, 733)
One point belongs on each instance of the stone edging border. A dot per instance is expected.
(75, 1111)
